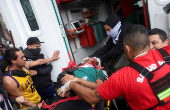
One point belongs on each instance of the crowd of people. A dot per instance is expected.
(144, 83)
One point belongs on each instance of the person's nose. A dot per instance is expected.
(24, 58)
(107, 32)
(151, 47)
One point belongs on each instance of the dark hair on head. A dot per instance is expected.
(162, 34)
(10, 54)
(136, 37)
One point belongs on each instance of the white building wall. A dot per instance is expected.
(158, 18)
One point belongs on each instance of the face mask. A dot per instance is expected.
(35, 52)
(114, 33)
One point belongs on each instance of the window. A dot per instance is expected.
(29, 15)
(30, 20)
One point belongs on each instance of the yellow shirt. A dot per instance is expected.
(26, 87)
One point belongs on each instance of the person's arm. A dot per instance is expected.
(114, 87)
(20, 100)
(83, 82)
(109, 45)
(43, 61)
(114, 52)
(31, 108)
(119, 6)
(87, 94)
(37, 107)
(43, 71)
(12, 88)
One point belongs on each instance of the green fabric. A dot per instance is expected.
(89, 74)
(131, 18)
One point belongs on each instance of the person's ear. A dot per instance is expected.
(128, 48)
(29, 46)
(166, 41)
(13, 61)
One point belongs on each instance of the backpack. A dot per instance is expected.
(160, 87)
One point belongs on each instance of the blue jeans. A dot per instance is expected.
(48, 92)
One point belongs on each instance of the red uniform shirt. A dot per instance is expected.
(127, 7)
(127, 82)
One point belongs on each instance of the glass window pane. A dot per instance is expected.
(29, 15)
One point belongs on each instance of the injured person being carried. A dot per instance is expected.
(89, 74)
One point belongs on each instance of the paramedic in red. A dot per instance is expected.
(114, 46)
(128, 81)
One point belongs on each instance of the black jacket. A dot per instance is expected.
(43, 77)
(111, 50)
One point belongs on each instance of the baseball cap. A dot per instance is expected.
(33, 40)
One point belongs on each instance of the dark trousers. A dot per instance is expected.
(48, 92)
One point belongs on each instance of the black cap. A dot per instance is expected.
(33, 40)
(112, 20)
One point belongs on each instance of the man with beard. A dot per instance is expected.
(41, 75)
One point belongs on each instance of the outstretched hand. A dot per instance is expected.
(56, 55)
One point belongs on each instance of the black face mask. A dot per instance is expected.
(35, 52)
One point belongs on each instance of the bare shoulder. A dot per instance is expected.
(8, 81)
(11, 86)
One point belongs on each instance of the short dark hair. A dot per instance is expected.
(10, 54)
(162, 34)
(136, 37)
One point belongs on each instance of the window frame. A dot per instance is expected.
(24, 20)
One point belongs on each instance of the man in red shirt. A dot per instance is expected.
(127, 81)
(127, 7)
